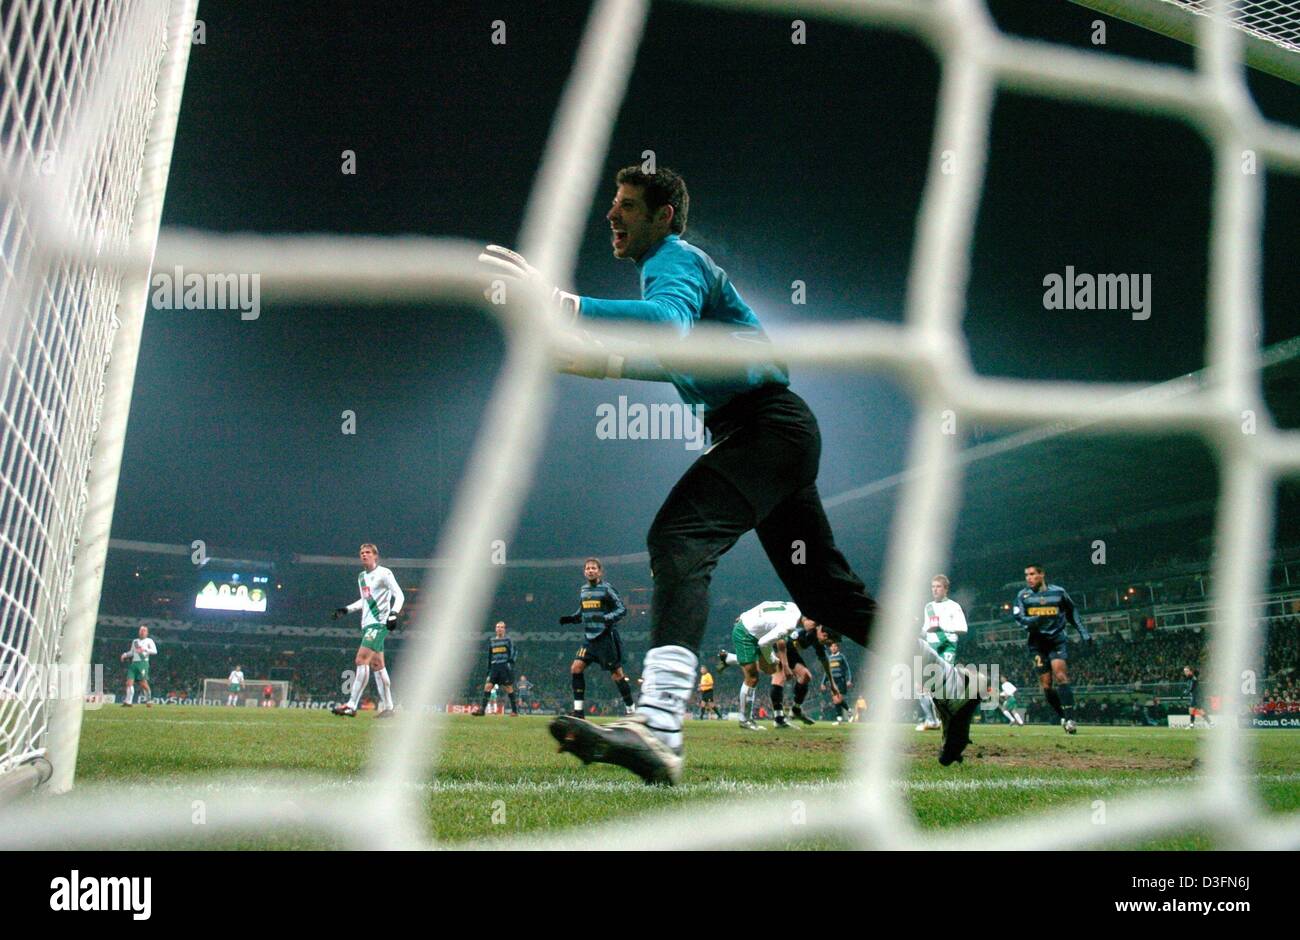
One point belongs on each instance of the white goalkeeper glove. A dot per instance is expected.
(511, 264)
(580, 353)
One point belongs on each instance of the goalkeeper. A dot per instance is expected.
(759, 474)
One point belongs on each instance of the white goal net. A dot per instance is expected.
(977, 60)
(86, 116)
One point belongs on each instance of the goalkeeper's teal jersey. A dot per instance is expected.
(681, 287)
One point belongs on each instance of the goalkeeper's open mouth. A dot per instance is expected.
(619, 239)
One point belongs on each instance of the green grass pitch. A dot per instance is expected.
(501, 777)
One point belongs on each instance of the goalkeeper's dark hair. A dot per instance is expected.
(662, 188)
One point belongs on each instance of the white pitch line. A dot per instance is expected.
(562, 787)
(198, 721)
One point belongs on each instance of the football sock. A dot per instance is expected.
(732, 660)
(130, 694)
(514, 702)
(385, 688)
(483, 705)
(747, 695)
(800, 692)
(778, 702)
(842, 707)
(579, 691)
(668, 678)
(1066, 695)
(359, 683)
(1054, 700)
(927, 709)
(625, 690)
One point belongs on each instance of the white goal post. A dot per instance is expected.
(977, 60)
(91, 91)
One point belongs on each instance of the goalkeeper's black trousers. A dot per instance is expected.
(760, 473)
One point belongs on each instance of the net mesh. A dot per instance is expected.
(73, 130)
(1278, 21)
(871, 811)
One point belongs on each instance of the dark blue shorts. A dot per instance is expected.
(500, 674)
(1048, 647)
(605, 650)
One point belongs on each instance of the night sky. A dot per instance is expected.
(803, 162)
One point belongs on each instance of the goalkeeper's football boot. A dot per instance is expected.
(1070, 726)
(797, 712)
(956, 730)
(783, 725)
(628, 743)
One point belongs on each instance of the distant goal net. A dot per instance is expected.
(254, 692)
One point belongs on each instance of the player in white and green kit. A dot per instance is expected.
(1007, 703)
(942, 627)
(756, 638)
(954, 689)
(380, 602)
(138, 671)
(236, 686)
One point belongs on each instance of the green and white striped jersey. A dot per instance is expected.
(142, 649)
(770, 621)
(381, 595)
(943, 623)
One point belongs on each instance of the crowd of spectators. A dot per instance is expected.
(1146, 657)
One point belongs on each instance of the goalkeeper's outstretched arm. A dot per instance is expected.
(674, 298)
(580, 353)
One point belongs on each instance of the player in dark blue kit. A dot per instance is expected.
(840, 679)
(1045, 610)
(599, 610)
(1193, 694)
(501, 669)
(812, 637)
